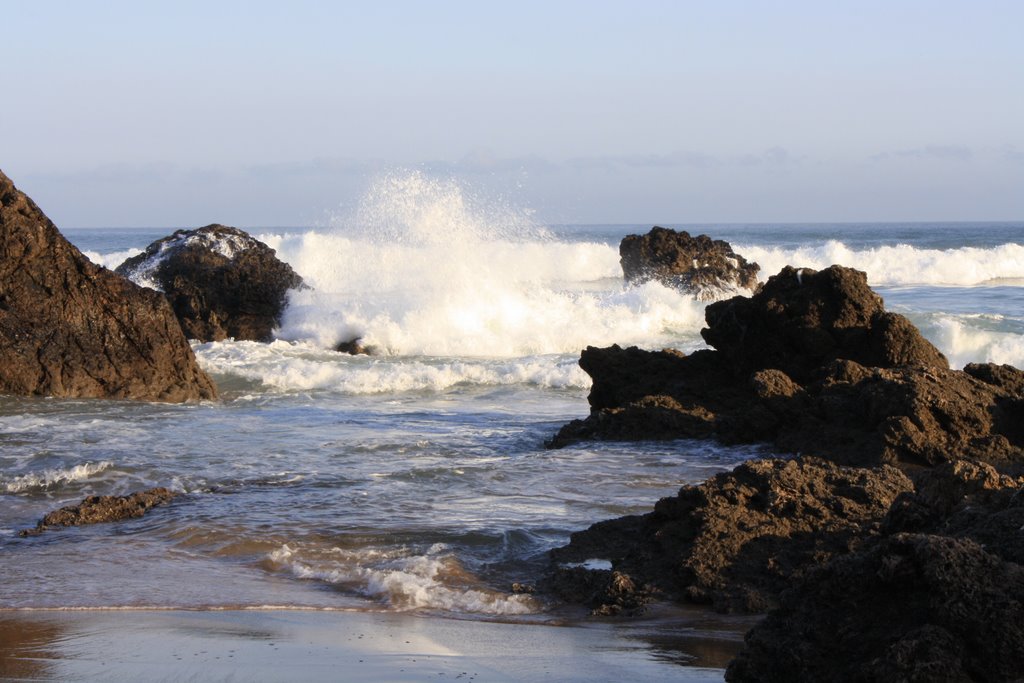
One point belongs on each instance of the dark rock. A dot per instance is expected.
(789, 370)
(735, 541)
(97, 509)
(70, 328)
(852, 415)
(965, 499)
(221, 282)
(355, 347)
(705, 268)
(913, 607)
(802, 319)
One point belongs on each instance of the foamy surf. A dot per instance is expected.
(899, 264)
(302, 366)
(400, 579)
(49, 479)
(973, 339)
(421, 270)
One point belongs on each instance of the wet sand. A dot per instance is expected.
(293, 645)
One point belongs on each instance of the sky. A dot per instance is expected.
(257, 114)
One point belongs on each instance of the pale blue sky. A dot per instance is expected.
(272, 113)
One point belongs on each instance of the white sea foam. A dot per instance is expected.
(402, 580)
(53, 478)
(966, 343)
(422, 270)
(901, 264)
(113, 259)
(303, 367)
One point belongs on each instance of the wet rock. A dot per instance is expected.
(700, 266)
(221, 282)
(913, 607)
(355, 347)
(802, 319)
(70, 328)
(735, 541)
(97, 509)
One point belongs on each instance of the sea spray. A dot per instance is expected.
(424, 271)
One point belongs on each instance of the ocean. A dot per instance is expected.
(417, 479)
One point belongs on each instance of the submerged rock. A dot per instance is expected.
(221, 282)
(700, 266)
(914, 607)
(735, 541)
(97, 509)
(70, 328)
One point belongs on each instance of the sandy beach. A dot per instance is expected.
(290, 645)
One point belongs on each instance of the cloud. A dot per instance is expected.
(1012, 153)
(957, 153)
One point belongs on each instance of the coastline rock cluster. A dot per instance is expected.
(812, 364)
(699, 266)
(890, 548)
(220, 281)
(70, 328)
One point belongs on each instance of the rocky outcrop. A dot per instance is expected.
(699, 266)
(70, 328)
(914, 607)
(97, 509)
(938, 595)
(802, 319)
(907, 407)
(220, 281)
(868, 575)
(735, 541)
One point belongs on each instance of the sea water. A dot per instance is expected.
(416, 479)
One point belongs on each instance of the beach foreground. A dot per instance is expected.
(288, 645)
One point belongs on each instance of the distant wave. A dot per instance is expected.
(113, 259)
(901, 264)
(53, 478)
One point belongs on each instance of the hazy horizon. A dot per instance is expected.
(258, 114)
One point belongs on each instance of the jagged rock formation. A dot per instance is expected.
(735, 541)
(868, 576)
(70, 328)
(801, 319)
(97, 509)
(914, 607)
(907, 407)
(220, 281)
(705, 268)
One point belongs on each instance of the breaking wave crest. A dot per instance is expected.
(54, 478)
(402, 580)
(423, 269)
(899, 264)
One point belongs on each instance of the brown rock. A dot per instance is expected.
(705, 268)
(70, 328)
(97, 509)
(914, 607)
(802, 319)
(221, 282)
(738, 539)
